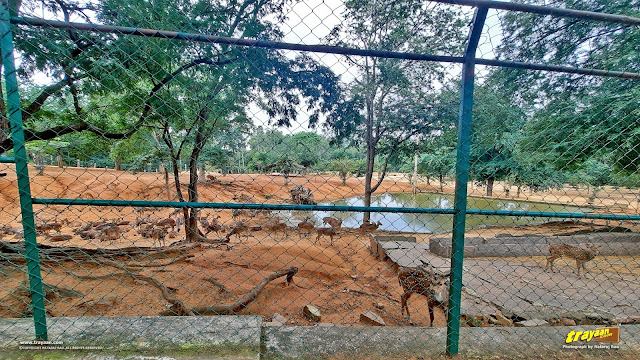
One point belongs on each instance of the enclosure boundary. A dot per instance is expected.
(460, 210)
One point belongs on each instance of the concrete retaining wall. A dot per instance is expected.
(246, 337)
(619, 244)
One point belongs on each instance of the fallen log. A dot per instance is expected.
(240, 305)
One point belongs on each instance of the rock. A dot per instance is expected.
(379, 306)
(354, 277)
(567, 322)
(372, 318)
(532, 322)
(475, 321)
(279, 319)
(500, 319)
(312, 312)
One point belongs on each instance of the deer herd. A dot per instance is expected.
(160, 229)
(422, 280)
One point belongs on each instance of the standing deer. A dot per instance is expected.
(335, 223)
(423, 281)
(275, 225)
(330, 232)
(305, 225)
(580, 255)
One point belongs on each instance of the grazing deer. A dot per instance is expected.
(179, 221)
(46, 227)
(336, 224)
(423, 281)
(159, 234)
(368, 227)
(214, 225)
(237, 228)
(275, 226)
(330, 232)
(580, 255)
(110, 233)
(305, 225)
(168, 222)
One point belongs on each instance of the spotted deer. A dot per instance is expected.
(335, 223)
(423, 281)
(368, 227)
(330, 232)
(580, 255)
(305, 226)
(275, 225)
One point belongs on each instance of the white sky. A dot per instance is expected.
(309, 22)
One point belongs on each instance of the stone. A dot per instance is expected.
(532, 322)
(312, 312)
(567, 322)
(378, 305)
(279, 319)
(372, 318)
(500, 319)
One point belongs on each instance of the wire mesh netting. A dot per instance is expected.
(187, 172)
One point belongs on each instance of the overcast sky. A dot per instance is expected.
(309, 22)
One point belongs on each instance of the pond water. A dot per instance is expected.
(434, 223)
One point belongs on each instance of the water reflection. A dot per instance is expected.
(430, 223)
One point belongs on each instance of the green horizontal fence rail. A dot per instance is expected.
(325, 49)
(288, 207)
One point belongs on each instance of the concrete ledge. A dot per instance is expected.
(619, 244)
(245, 337)
(411, 342)
(213, 335)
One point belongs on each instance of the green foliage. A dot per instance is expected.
(346, 166)
(439, 163)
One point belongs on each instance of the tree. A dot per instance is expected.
(389, 100)
(184, 93)
(344, 167)
(495, 132)
(438, 163)
(285, 166)
(578, 118)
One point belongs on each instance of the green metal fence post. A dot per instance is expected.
(20, 157)
(462, 176)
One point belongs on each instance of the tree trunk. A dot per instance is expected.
(367, 180)
(518, 191)
(59, 158)
(202, 174)
(441, 178)
(166, 182)
(415, 173)
(490, 186)
(286, 178)
(344, 179)
(118, 165)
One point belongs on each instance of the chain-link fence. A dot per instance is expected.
(319, 163)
